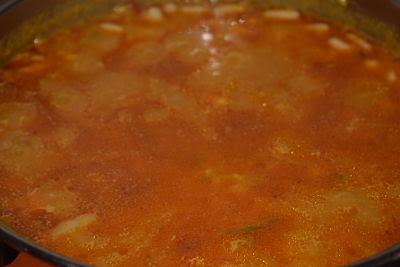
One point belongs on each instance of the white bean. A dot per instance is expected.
(318, 27)
(339, 44)
(111, 27)
(282, 14)
(153, 14)
(363, 44)
(228, 9)
(169, 8)
(121, 9)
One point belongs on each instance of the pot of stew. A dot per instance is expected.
(200, 133)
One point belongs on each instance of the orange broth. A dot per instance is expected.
(203, 136)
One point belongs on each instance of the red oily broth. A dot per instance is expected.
(183, 135)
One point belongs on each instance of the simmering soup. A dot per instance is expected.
(196, 135)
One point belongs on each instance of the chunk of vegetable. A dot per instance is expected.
(22, 153)
(86, 63)
(368, 211)
(112, 90)
(146, 53)
(51, 198)
(69, 226)
(63, 96)
(65, 136)
(100, 41)
(251, 228)
(16, 115)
